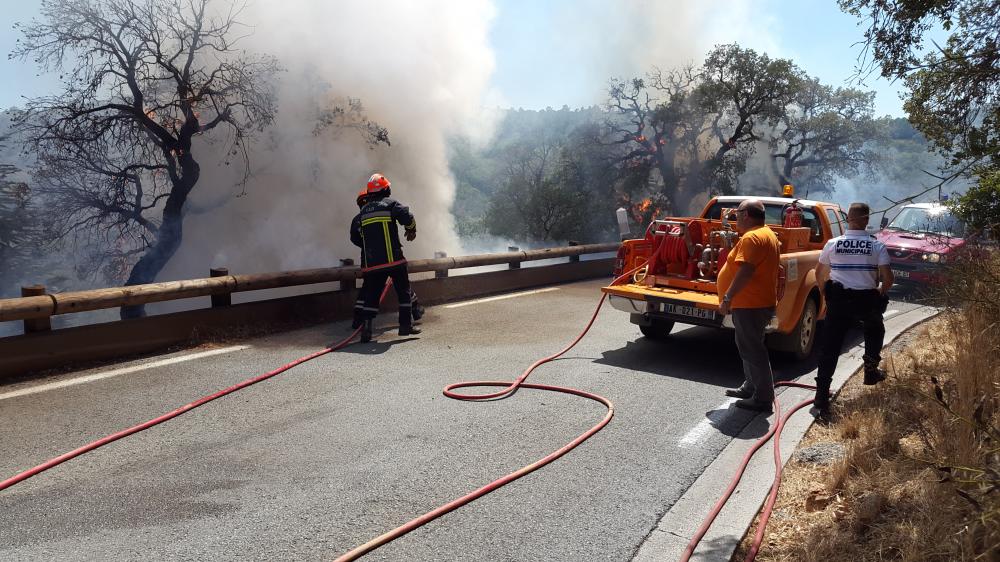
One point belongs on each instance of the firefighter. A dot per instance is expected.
(415, 309)
(849, 270)
(374, 230)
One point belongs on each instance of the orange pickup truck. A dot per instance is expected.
(678, 284)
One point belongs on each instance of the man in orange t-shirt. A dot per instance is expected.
(748, 288)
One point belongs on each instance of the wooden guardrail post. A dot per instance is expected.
(224, 299)
(514, 264)
(347, 284)
(36, 324)
(575, 258)
(441, 273)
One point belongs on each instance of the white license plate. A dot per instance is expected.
(901, 273)
(692, 311)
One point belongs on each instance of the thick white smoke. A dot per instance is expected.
(420, 69)
(628, 38)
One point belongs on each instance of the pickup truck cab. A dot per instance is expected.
(678, 284)
(920, 240)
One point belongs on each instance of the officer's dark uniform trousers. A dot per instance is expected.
(845, 307)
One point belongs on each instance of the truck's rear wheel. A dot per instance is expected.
(657, 329)
(799, 342)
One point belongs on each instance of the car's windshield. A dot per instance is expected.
(936, 220)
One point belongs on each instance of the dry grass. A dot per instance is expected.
(919, 479)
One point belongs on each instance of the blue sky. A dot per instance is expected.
(556, 52)
(815, 34)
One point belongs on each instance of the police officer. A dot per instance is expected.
(849, 270)
(374, 230)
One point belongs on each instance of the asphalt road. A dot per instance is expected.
(323, 458)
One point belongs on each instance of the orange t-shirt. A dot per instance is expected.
(758, 246)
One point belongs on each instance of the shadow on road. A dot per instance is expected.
(733, 421)
(376, 347)
(707, 355)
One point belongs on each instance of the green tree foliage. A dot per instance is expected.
(662, 143)
(826, 133)
(690, 132)
(742, 93)
(539, 180)
(979, 206)
(955, 87)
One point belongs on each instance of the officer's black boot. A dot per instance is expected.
(366, 330)
(873, 375)
(821, 404)
(409, 330)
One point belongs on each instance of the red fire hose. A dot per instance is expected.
(173, 414)
(765, 515)
(507, 389)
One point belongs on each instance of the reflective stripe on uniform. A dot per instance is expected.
(388, 241)
(382, 266)
(373, 220)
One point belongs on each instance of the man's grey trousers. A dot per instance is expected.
(750, 324)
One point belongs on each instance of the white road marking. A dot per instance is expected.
(501, 297)
(122, 371)
(889, 313)
(704, 427)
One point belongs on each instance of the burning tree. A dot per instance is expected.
(117, 147)
(657, 128)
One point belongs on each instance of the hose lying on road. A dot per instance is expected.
(765, 513)
(507, 388)
(173, 414)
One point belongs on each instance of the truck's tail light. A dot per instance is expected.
(620, 261)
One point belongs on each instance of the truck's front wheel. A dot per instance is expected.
(657, 329)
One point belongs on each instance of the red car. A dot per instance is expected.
(921, 238)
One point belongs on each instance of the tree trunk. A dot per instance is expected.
(169, 236)
(671, 185)
(151, 263)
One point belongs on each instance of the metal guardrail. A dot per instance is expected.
(32, 308)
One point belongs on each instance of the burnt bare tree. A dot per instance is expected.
(16, 223)
(656, 125)
(826, 133)
(143, 80)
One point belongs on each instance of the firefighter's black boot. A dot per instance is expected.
(366, 331)
(356, 322)
(873, 375)
(417, 312)
(408, 330)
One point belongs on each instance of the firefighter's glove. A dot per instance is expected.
(411, 233)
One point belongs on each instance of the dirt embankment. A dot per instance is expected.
(909, 469)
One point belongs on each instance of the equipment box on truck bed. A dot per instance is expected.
(678, 283)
